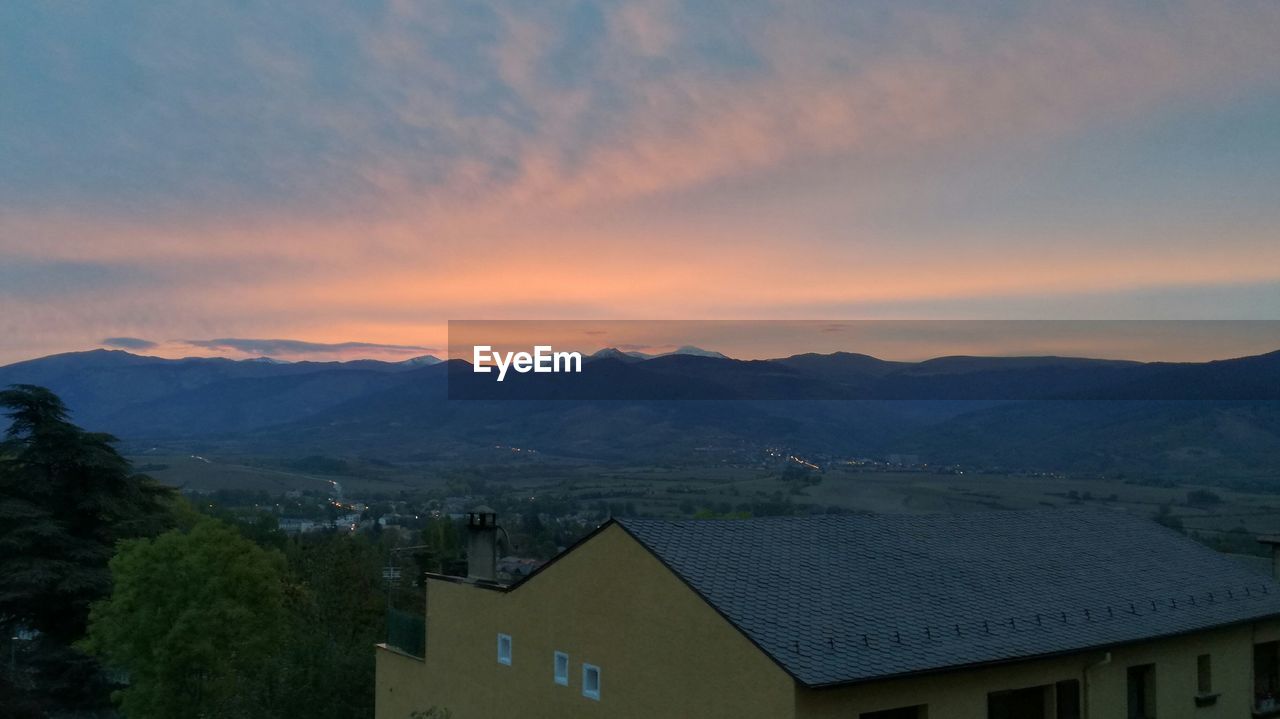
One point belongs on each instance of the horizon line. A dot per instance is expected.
(643, 357)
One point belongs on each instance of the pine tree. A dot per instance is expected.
(66, 497)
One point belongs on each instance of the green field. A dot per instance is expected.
(198, 473)
(731, 489)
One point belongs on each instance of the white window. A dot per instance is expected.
(562, 669)
(504, 649)
(591, 681)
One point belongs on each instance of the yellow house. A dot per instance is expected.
(1003, 615)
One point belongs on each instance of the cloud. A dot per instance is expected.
(129, 343)
(294, 348)
(483, 106)
(797, 88)
(411, 162)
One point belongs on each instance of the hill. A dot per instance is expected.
(1049, 413)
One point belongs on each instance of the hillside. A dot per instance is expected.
(1201, 419)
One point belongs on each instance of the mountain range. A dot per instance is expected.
(630, 355)
(1048, 413)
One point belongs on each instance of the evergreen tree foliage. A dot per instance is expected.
(337, 615)
(66, 498)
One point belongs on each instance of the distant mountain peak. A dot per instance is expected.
(421, 361)
(633, 355)
(617, 354)
(697, 352)
(267, 360)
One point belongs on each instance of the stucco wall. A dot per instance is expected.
(398, 684)
(663, 652)
(609, 603)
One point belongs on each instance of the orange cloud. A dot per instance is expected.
(955, 86)
(660, 183)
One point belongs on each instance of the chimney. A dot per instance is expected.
(1273, 540)
(482, 544)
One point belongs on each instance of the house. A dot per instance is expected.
(293, 525)
(517, 567)
(1048, 614)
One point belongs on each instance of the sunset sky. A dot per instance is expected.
(343, 178)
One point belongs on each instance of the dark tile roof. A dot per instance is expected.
(849, 598)
(1259, 565)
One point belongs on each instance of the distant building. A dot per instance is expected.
(1062, 614)
(296, 526)
(516, 568)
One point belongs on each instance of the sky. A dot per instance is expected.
(332, 180)
(910, 340)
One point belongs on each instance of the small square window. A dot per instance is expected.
(562, 669)
(591, 681)
(504, 649)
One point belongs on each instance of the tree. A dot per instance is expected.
(66, 497)
(195, 619)
(337, 615)
(1203, 498)
(443, 550)
(1166, 517)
